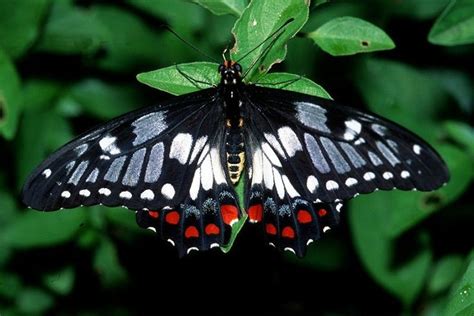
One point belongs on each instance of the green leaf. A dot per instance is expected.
(60, 282)
(259, 20)
(107, 265)
(331, 11)
(237, 226)
(221, 7)
(455, 26)
(104, 100)
(10, 285)
(130, 42)
(8, 209)
(34, 300)
(457, 84)
(10, 97)
(174, 79)
(461, 299)
(184, 17)
(39, 95)
(349, 35)
(126, 219)
(461, 133)
(42, 229)
(415, 9)
(71, 30)
(291, 82)
(368, 220)
(36, 139)
(402, 87)
(445, 272)
(19, 23)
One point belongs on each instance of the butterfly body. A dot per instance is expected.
(176, 164)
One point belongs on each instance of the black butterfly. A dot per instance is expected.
(177, 163)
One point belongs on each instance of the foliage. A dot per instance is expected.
(68, 65)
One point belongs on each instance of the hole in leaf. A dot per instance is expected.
(365, 43)
(432, 200)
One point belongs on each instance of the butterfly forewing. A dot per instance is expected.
(167, 162)
(308, 155)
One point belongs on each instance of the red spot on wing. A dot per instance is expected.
(304, 217)
(270, 229)
(191, 232)
(212, 229)
(230, 213)
(255, 213)
(322, 212)
(288, 232)
(154, 214)
(172, 218)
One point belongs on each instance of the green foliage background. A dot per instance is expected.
(67, 65)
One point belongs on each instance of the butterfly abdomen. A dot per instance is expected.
(235, 150)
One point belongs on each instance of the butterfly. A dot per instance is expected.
(177, 164)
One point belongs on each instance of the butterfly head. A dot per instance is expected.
(231, 73)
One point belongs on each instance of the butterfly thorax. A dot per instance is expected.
(231, 80)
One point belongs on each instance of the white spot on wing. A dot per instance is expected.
(267, 173)
(289, 140)
(369, 176)
(217, 169)
(416, 149)
(168, 191)
(85, 192)
(105, 191)
(332, 185)
(181, 147)
(107, 144)
(312, 116)
(326, 228)
(379, 129)
(290, 250)
(350, 182)
(279, 184)
(206, 173)
(214, 245)
(171, 242)
(198, 146)
(404, 174)
(147, 195)
(153, 229)
(194, 189)
(387, 175)
(148, 127)
(268, 151)
(125, 195)
(310, 241)
(275, 143)
(289, 187)
(353, 129)
(46, 173)
(257, 164)
(312, 183)
(66, 194)
(192, 249)
(81, 149)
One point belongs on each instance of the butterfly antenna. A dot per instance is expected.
(189, 44)
(265, 40)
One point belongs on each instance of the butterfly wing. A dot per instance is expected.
(167, 162)
(309, 154)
